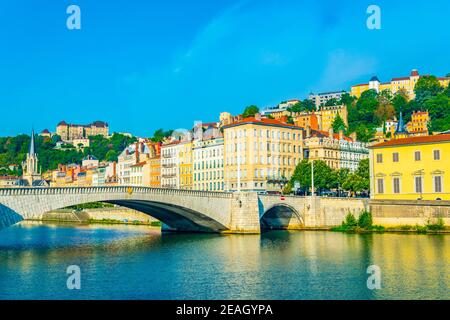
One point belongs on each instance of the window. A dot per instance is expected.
(437, 154)
(437, 184)
(396, 185)
(379, 158)
(380, 184)
(395, 157)
(418, 184)
(417, 155)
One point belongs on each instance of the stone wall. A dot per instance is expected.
(332, 211)
(409, 212)
(111, 213)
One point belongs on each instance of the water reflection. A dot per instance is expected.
(138, 262)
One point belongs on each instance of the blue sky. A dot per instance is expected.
(141, 65)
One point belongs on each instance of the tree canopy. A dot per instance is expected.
(13, 150)
(250, 111)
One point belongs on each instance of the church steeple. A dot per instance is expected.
(400, 125)
(32, 144)
(31, 172)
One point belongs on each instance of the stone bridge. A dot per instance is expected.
(185, 210)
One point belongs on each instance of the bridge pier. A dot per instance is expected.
(244, 213)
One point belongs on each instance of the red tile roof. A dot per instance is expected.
(361, 84)
(263, 121)
(400, 78)
(414, 140)
(321, 133)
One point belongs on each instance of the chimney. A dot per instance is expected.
(136, 152)
(341, 134)
(353, 136)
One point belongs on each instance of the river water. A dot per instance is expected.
(139, 262)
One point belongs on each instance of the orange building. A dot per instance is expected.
(304, 120)
(155, 165)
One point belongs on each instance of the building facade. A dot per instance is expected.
(405, 84)
(170, 165)
(322, 98)
(419, 122)
(134, 154)
(322, 119)
(186, 165)
(411, 168)
(69, 132)
(335, 149)
(208, 154)
(260, 154)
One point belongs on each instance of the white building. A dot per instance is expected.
(351, 153)
(322, 98)
(132, 155)
(208, 156)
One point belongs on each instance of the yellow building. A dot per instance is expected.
(411, 168)
(260, 154)
(405, 84)
(419, 122)
(69, 132)
(186, 164)
(329, 113)
(322, 119)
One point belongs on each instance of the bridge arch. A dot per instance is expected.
(179, 210)
(281, 216)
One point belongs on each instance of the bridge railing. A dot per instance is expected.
(109, 189)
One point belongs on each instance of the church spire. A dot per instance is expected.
(400, 125)
(32, 146)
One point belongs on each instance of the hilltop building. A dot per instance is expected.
(70, 132)
(419, 122)
(406, 84)
(322, 119)
(321, 99)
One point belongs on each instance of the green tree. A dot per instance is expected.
(365, 220)
(400, 101)
(324, 176)
(385, 109)
(332, 102)
(426, 88)
(111, 156)
(338, 124)
(250, 111)
(308, 105)
(347, 100)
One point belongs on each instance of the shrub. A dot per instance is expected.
(420, 229)
(365, 220)
(436, 226)
(350, 221)
(377, 228)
